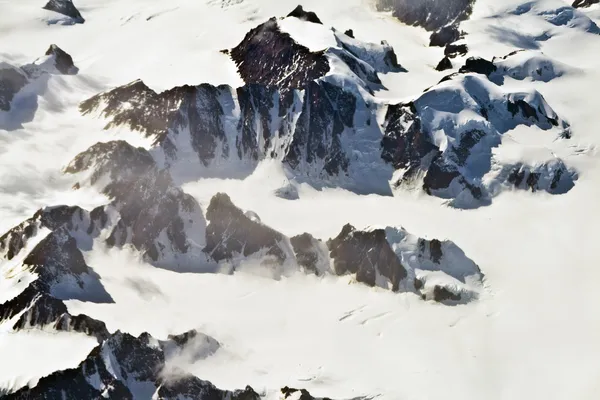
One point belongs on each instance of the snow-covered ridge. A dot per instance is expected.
(321, 120)
(443, 140)
(13, 79)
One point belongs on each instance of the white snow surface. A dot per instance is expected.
(533, 333)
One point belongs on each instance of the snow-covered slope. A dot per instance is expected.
(302, 184)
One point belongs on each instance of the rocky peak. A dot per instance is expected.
(65, 7)
(366, 254)
(231, 232)
(284, 63)
(309, 16)
(127, 367)
(62, 60)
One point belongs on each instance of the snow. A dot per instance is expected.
(534, 331)
(30, 355)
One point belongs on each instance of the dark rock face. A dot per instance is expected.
(119, 363)
(231, 232)
(404, 144)
(444, 64)
(61, 220)
(584, 3)
(146, 198)
(309, 16)
(140, 108)
(444, 36)
(11, 81)
(453, 50)
(61, 271)
(307, 252)
(149, 112)
(39, 309)
(117, 160)
(283, 63)
(366, 254)
(65, 7)
(429, 14)
(194, 388)
(288, 392)
(326, 112)
(63, 61)
(479, 66)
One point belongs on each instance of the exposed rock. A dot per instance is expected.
(479, 66)
(284, 63)
(65, 7)
(444, 64)
(584, 3)
(408, 143)
(62, 60)
(288, 192)
(453, 50)
(230, 232)
(311, 253)
(117, 163)
(121, 366)
(366, 254)
(445, 36)
(404, 144)
(349, 33)
(553, 177)
(309, 16)
(11, 81)
(429, 14)
(55, 269)
(155, 216)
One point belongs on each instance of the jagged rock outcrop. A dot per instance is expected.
(444, 64)
(584, 3)
(154, 215)
(311, 254)
(65, 7)
(284, 63)
(13, 79)
(408, 144)
(445, 36)
(393, 259)
(553, 177)
(231, 233)
(309, 16)
(62, 61)
(429, 14)
(324, 127)
(367, 255)
(479, 66)
(454, 50)
(46, 251)
(128, 367)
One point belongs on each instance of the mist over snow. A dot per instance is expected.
(215, 199)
